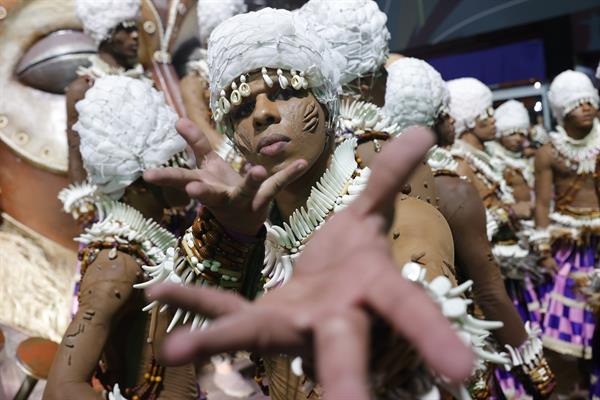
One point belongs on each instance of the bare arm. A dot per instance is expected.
(543, 185)
(464, 211)
(192, 91)
(104, 293)
(75, 92)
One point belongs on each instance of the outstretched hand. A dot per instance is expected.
(345, 274)
(239, 203)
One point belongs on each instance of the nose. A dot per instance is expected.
(134, 34)
(265, 113)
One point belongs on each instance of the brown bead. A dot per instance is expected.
(205, 253)
(406, 189)
(211, 238)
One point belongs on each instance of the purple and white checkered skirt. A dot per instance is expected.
(569, 324)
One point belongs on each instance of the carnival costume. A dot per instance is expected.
(209, 255)
(417, 95)
(125, 128)
(470, 100)
(572, 238)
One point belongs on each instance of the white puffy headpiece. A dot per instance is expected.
(511, 117)
(356, 29)
(469, 99)
(568, 91)
(100, 17)
(276, 39)
(212, 12)
(415, 94)
(125, 127)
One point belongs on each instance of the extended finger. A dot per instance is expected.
(249, 330)
(210, 302)
(415, 316)
(207, 194)
(277, 182)
(174, 177)
(341, 349)
(194, 137)
(391, 168)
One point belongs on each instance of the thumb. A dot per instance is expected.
(277, 182)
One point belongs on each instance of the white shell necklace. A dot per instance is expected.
(441, 159)
(357, 117)
(480, 161)
(583, 152)
(506, 158)
(339, 186)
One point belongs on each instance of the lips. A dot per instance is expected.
(272, 144)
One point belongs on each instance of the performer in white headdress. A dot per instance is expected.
(512, 129)
(125, 127)
(113, 26)
(567, 214)
(471, 107)
(356, 29)
(274, 88)
(417, 95)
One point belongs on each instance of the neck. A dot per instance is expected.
(114, 61)
(575, 132)
(472, 139)
(295, 194)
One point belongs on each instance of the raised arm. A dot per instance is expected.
(464, 211)
(192, 91)
(75, 92)
(543, 186)
(105, 291)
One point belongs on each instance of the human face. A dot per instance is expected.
(444, 128)
(514, 142)
(123, 43)
(275, 127)
(485, 126)
(582, 117)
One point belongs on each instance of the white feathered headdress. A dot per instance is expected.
(469, 98)
(212, 12)
(125, 127)
(415, 93)
(100, 17)
(277, 39)
(511, 117)
(569, 90)
(354, 28)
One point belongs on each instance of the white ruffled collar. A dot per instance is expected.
(100, 68)
(581, 153)
(502, 158)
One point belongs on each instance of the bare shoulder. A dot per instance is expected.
(420, 233)
(109, 280)
(458, 198)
